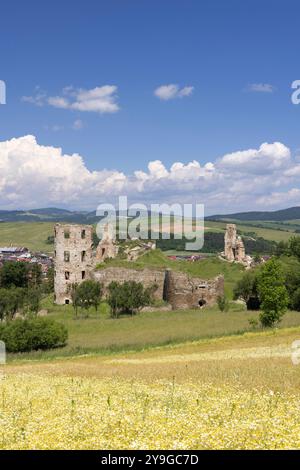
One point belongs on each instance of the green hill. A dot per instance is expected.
(280, 215)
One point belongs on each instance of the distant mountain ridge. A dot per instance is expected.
(53, 214)
(276, 216)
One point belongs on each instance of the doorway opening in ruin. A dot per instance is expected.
(67, 301)
(202, 303)
(103, 251)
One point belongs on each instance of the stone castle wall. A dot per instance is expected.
(147, 277)
(177, 288)
(183, 291)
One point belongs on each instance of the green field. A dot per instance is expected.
(33, 235)
(100, 334)
(267, 233)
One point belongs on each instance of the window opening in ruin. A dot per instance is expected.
(66, 256)
(83, 256)
(83, 275)
(67, 275)
(82, 233)
(103, 251)
(67, 233)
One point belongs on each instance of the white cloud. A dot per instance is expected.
(169, 92)
(34, 175)
(58, 102)
(97, 100)
(268, 156)
(261, 87)
(37, 100)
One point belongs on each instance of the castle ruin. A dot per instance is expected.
(75, 262)
(234, 246)
(107, 248)
(178, 289)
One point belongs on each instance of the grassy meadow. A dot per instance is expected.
(100, 334)
(231, 392)
(266, 232)
(33, 235)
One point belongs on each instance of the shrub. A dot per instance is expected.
(223, 303)
(128, 297)
(253, 323)
(86, 295)
(33, 334)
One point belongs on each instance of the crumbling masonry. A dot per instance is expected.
(74, 262)
(234, 246)
(73, 258)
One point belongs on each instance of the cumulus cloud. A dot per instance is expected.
(272, 156)
(261, 87)
(169, 92)
(34, 175)
(97, 100)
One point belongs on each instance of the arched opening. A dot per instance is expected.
(202, 303)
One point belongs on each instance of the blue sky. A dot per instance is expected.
(240, 59)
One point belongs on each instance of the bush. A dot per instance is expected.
(128, 297)
(223, 303)
(31, 335)
(253, 323)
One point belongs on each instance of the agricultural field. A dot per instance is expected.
(273, 234)
(100, 334)
(33, 235)
(231, 392)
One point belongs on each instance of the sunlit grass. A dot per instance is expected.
(227, 393)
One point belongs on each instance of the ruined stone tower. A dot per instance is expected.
(234, 249)
(73, 258)
(107, 247)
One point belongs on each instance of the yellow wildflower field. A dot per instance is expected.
(158, 399)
